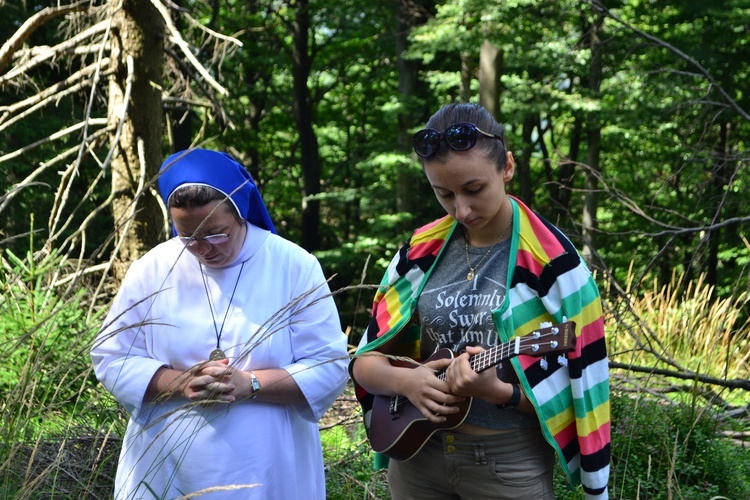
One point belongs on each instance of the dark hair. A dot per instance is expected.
(460, 112)
(190, 197)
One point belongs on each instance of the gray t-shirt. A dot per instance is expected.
(455, 312)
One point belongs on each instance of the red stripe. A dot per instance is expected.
(567, 435)
(545, 238)
(382, 316)
(595, 441)
(527, 361)
(590, 334)
(526, 260)
(429, 247)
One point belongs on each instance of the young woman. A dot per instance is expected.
(224, 346)
(490, 271)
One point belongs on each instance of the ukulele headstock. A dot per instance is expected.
(551, 339)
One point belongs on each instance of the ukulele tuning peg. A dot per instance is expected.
(543, 364)
(562, 360)
(545, 324)
(553, 344)
(555, 331)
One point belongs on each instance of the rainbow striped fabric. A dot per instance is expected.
(549, 282)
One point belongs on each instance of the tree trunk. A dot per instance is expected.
(407, 78)
(721, 178)
(490, 69)
(302, 106)
(560, 189)
(593, 141)
(137, 34)
(523, 162)
(467, 74)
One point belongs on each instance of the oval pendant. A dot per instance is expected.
(470, 276)
(216, 355)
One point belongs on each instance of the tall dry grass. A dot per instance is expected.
(684, 331)
(59, 429)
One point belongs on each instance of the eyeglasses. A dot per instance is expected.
(459, 136)
(211, 239)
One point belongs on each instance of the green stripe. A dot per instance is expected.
(577, 300)
(555, 406)
(592, 398)
(529, 310)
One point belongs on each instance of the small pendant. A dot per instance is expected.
(216, 355)
(470, 276)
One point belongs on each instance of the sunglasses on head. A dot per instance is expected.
(459, 136)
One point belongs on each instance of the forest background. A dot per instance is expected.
(628, 120)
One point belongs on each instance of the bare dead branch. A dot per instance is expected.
(51, 52)
(57, 135)
(215, 105)
(180, 42)
(49, 99)
(685, 375)
(27, 29)
(211, 33)
(52, 90)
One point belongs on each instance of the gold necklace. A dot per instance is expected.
(471, 273)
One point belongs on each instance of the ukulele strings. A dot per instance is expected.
(491, 357)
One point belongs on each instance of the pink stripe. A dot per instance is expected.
(429, 247)
(526, 260)
(567, 435)
(429, 226)
(596, 440)
(527, 361)
(590, 333)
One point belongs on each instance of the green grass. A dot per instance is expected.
(675, 435)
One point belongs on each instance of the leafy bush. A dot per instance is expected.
(50, 409)
(673, 451)
(59, 429)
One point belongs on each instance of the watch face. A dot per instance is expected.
(255, 384)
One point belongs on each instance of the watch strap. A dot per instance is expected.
(515, 399)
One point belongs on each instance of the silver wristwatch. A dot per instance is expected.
(255, 384)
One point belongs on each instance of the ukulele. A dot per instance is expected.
(398, 429)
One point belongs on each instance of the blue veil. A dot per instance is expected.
(220, 171)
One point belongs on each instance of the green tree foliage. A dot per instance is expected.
(672, 142)
(670, 110)
(657, 89)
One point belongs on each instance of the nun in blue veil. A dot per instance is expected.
(224, 346)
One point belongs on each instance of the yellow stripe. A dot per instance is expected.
(560, 421)
(533, 246)
(590, 313)
(532, 324)
(589, 424)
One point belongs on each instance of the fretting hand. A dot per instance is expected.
(462, 379)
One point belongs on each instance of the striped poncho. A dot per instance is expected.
(547, 282)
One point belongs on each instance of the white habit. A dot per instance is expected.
(161, 317)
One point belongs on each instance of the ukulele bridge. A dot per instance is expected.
(393, 408)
